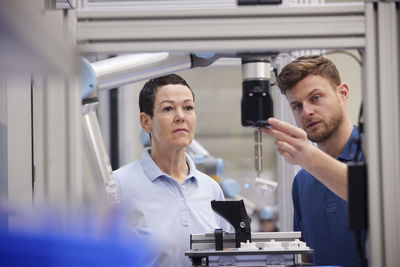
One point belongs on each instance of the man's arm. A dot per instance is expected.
(291, 142)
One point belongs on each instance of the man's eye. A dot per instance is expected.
(315, 98)
(296, 107)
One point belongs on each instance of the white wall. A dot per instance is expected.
(350, 72)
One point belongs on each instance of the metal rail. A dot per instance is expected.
(241, 29)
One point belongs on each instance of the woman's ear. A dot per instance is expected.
(145, 122)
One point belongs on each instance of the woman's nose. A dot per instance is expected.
(179, 115)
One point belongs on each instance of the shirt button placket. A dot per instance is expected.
(184, 214)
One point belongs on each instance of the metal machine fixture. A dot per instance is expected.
(244, 248)
(257, 106)
(266, 249)
(235, 213)
(256, 103)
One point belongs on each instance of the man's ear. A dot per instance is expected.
(343, 90)
(145, 122)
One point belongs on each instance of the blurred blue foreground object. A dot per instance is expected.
(32, 249)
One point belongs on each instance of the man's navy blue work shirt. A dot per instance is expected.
(322, 218)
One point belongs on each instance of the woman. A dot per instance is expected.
(165, 196)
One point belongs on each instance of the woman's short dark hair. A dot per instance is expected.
(148, 93)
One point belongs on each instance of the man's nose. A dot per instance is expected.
(308, 109)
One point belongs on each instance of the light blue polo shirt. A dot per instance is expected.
(160, 209)
(322, 218)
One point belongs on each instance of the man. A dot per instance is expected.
(318, 98)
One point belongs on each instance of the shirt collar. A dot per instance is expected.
(350, 148)
(153, 171)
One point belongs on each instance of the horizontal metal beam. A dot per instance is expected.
(355, 8)
(276, 28)
(244, 45)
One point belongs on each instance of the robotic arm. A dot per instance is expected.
(125, 69)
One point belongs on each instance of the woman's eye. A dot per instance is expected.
(189, 108)
(169, 108)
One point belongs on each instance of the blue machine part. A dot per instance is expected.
(198, 159)
(88, 78)
(208, 164)
(46, 250)
(230, 187)
(144, 137)
(52, 241)
(268, 213)
(205, 54)
(220, 167)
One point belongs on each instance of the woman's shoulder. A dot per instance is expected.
(206, 179)
(127, 169)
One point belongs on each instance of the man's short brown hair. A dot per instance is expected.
(301, 67)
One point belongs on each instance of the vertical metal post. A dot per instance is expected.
(73, 114)
(130, 147)
(57, 128)
(372, 138)
(382, 131)
(389, 98)
(3, 150)
(19, 142)
(285, 170)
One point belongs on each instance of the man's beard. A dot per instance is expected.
(330, 127)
